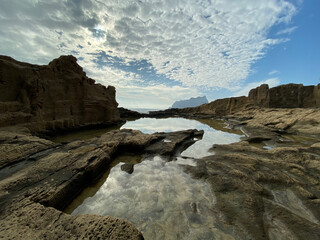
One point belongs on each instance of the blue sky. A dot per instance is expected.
(156, 52)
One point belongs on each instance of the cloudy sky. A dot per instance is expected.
(158, 51)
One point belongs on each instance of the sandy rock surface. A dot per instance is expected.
(52, 175)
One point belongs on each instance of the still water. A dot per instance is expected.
(159, 198)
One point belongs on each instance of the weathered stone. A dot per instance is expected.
(264, 194)
(51, 97)
(283, 96)
(31, 197)
(286, 96)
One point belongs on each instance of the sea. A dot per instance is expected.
(145, 110)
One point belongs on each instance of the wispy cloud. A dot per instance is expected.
(190, 44)
(287, 30)
(273, 72)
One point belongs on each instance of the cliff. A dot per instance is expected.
(286, 96)
(283, 96)
(52, 97)
(192, 102)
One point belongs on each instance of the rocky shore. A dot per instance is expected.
(47, 176)
(261, 193)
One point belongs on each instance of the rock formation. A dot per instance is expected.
(52, 97)
(286, 96)
(283, 96)
(192, 102)
(48, 176)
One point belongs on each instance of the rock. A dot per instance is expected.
(52, 97)
(260, 96)
(286, 96)
(16, 146)
(31, 197)
(192, 102)
(292, 120)
(127, 167)
(262, 193)
(175, 142)
(283, 96)
(129, 114)
(257, 139)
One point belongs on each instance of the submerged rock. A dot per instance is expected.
(127, 167)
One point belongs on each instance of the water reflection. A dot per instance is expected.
(92, 189)
(160, 199)
(215, 132)
(83, 134)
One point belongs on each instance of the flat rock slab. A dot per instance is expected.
(264, 194)
(31, 196)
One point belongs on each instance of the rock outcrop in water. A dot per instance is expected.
(52, 97)
(192, 102)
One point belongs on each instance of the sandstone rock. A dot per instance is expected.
(285, 96)
(51, 97)
(260, 96)
(264, 194)
(31, 197)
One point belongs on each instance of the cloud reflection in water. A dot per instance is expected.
(159, 198)
(200, 148)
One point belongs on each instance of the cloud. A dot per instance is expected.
(273, 72)
(159, 96)
(187, 43)
(287, 30)
(272, 82)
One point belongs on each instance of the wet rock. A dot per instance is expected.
(127, 167)
(129, 114)
(266, 194)
(174, 142)
(31, 197)
(256, 139)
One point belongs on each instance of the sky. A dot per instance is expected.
(156, 52)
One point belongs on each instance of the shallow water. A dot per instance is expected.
(215, 132)
(82, 134)
(159, 198)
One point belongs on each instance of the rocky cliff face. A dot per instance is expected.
(192, 102)
(56, 96)
(286, 96)
(283, 96)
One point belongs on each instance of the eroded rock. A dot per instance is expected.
(264, 194)
(52, 97)
(31, 196)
